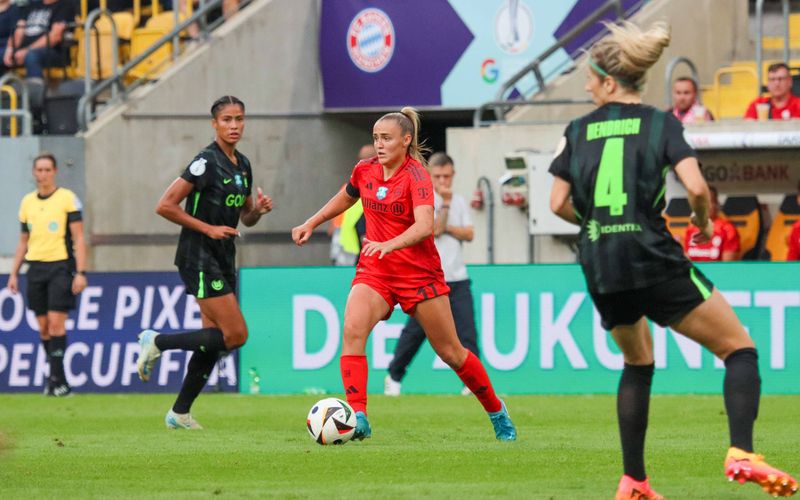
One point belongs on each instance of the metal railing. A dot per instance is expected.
(534, 66)
(117, 79)
(88, 28)
(24, 111)
(668, 78)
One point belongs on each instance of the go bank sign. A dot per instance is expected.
(538, 332)
(102, 336)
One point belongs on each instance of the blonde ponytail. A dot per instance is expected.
(628, 52)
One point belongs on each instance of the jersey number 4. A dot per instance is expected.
(609, 189)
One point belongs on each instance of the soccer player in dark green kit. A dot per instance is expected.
(217, 187)
(610, 171)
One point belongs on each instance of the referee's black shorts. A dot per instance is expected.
(50, 287)
(666, 303)
(207, 284)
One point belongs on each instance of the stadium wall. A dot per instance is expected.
(267, 56)
(715, 34)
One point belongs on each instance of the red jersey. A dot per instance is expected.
(389, 210)
(791, 110)
(794, 243)
(725, 239)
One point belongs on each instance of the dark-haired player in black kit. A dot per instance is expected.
(610, 170)
(217, 187)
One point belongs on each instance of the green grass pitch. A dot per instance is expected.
(116, 446)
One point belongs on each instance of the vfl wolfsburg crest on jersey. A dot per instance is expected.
(217, 285)
(381, 194)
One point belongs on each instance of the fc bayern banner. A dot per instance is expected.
(102, 336)
(440, 53)
(538, 332)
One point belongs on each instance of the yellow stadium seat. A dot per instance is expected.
(158, 61)
(777, 238)
(744, 212)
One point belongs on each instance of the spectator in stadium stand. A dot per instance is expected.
(9, 15)
(349, 228)
(217, 186)
(723, 245)
(37, 41)
(609, 179)
(783, 105)
(794, 237)
(452, 226)
(52, 244)
(684, 102)
(399, 264)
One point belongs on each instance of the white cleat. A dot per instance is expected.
(148, 354)
(390, 386)
(181, 421)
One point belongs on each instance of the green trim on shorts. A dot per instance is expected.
(201, 290)
(704, 291)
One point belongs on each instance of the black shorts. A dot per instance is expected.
(204, 285)
(665, 303)
(50, 287)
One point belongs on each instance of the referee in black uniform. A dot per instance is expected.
(217, 187)
(51, 242)
(610, 171)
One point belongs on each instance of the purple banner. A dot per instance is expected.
(385, 53)
(582, 10)
(102, 336)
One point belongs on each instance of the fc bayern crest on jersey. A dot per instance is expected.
(370, 40)
(382, 191)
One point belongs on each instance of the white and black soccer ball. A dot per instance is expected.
(331, 421)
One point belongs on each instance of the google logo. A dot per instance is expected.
(489, 71)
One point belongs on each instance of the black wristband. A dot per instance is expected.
(82, 273)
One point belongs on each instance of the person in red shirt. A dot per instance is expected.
(684, 102)
(399, 264)
(723, 246)
(783, 105)
(794, 237)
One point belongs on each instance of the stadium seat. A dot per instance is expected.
(678, 215)
(733, 89)
(155, 28)
(744, 212)
(788, 214)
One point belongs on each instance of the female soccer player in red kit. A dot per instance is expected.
(399, 264)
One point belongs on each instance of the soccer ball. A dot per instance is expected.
(331, 421)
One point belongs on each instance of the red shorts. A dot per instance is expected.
(405, 294)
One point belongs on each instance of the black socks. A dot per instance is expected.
(207, 340)
(633, 403)
(57, 348)
(197, 373)
(742, 390)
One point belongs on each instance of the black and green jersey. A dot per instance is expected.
(616, 159)
(220, 191)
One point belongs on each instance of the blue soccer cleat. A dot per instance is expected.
(504, 428)
(148, 354)
(363, 430)
(181, 421)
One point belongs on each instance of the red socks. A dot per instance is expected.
(354, 378)
(474, 376)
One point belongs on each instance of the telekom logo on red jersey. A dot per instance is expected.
(371, 40)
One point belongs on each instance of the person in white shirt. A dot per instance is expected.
(452, 226)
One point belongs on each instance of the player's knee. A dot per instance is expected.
(454, 355)
(235, 338)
